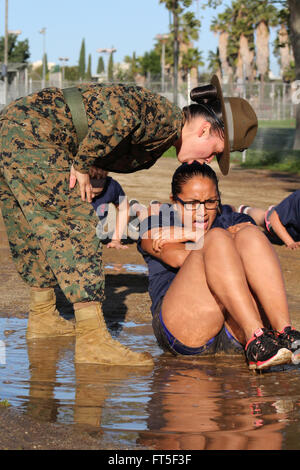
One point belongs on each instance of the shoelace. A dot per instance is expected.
(268, 336)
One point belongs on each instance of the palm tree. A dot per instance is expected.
(190, 61)
(214, 63)
(294, 9)
(264, 15)
(184, 29)
(282, 46)
(236, 40)
(221, 25)
(243, 29)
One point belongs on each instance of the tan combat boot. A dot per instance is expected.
(94, 344)
(44, 320)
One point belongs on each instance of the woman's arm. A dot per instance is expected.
(281, 231)
(172, 254)
(122, 218)
(233, 229)
(168, 244)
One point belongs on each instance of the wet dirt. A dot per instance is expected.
(209, 403)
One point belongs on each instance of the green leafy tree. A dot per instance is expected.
(72, 73)
(110, 68)
(242, 21)
(81, 62)
(184, 29)
(190, 59)
(89, 69)
(18, 51)
(293, 7)
(214, 62)
(236, 39)
(100, 67)
(133, 67)
(150, 62)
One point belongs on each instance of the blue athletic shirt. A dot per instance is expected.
(161, 274)
(288, 212)
(112, 192)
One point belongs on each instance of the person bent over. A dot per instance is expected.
(106, 190)
(281, 222)
(51, 231)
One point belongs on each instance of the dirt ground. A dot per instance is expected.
(126, 293)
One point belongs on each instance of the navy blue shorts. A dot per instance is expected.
(223, 342)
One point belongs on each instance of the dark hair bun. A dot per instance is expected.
(204, 94)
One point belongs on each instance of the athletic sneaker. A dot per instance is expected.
(289, 338)
(263, 350)
(243, 209)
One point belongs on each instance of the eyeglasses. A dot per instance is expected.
(209, 204)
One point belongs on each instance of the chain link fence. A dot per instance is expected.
(270, 100)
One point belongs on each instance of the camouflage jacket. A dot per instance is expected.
(129, 127)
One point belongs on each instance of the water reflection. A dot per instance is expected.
(209, 403)
(130, 268)
(209, 406)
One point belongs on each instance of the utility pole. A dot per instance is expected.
(63, 60)
(176, 50)
(6, 54)
(162, 38)
(109, 52)
(43, 32)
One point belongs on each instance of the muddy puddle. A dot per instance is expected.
(129, 268)
(179, 404)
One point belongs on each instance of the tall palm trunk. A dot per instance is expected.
(247, 57)
(294, 6)
(286, 55)
(226, 68)
(262, 49)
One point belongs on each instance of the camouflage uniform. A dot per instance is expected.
(52, 232)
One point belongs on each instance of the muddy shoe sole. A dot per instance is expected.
(283, 356)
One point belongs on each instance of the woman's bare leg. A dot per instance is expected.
(264, 274)
(258, 215)
(189, 310)
(226, 277)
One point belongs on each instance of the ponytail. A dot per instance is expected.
(207, 106)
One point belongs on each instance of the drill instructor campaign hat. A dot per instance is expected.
(240, 125)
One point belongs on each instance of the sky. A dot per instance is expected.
(127, 25)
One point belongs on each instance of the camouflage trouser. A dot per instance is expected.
(52, 233)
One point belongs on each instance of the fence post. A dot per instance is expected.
(284, 101)
(188, 87)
